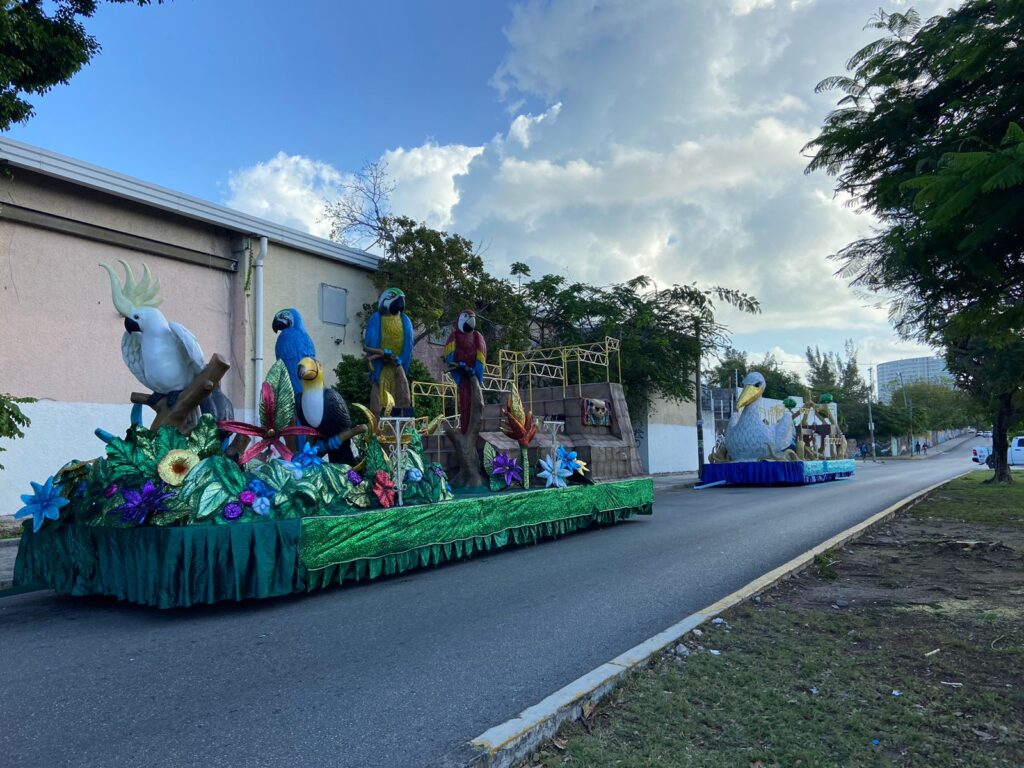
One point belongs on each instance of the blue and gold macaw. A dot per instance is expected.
(293, 344)
(389, 331)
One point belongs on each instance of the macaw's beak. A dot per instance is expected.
(280, 323)
(749, 394)
(468, 324)
(131, 326)
(397, 305)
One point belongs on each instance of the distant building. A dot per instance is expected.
(915, 369)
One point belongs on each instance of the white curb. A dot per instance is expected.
(502, 745)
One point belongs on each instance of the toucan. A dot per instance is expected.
(325, 410)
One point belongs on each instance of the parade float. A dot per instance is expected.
(199, 507)
(783, 445)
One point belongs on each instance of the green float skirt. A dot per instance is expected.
(174, 567)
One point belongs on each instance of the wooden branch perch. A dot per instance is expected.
(182, 413)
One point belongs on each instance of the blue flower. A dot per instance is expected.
(260, 488)
(44, 502)
(413, 475)
(307, 457)
(569, 460)
(554, 472)
(261, 506)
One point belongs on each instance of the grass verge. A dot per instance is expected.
(911, 654)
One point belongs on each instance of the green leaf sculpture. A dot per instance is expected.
(284, 395)
(205, 439)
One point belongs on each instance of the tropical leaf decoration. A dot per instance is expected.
(125, 460)
(270, 432)
(204, 439)
(284, 399)
(495, 483)
(519, 424)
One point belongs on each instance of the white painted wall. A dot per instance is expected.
(671, 448)
(59, 433)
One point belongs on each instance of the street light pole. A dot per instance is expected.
(871, 421)
(910, 416)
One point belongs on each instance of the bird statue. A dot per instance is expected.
(325, 410)
(748, 437)
(293, 344)
(465, 354)
(165, 357)
(388, 343)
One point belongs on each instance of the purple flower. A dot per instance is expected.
(110, 490)
(138, 505)
(247, 497)
(507, 467)
(436, 469)
(354, 477)
(232, 510)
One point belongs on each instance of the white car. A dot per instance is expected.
(1014, 454)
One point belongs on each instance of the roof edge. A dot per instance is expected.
(47, 163)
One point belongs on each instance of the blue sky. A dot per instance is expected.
(594, 139)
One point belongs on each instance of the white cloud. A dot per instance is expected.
(289, 189)
(653, 137)
(424, 180)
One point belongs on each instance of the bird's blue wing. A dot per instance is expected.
(406, 342)
(372, 339)
(293, 345)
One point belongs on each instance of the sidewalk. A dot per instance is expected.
(936, 450)
(674, 481)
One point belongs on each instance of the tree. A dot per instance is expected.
(41, 45)
(12, 420)
(663, 333)
(924, 139)
(442, 273)
(837, 374)
(353, 382)
(734, 364)
(937, 407)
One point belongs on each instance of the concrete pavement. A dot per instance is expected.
(402, 671)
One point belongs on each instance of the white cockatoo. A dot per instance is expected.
(748, 437)
(164, 356)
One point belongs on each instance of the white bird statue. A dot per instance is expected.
(748, 437)
(165, 357)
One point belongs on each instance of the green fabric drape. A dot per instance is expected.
(334, 540)
(164, 567)
(181, 566)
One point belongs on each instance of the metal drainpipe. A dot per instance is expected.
(258, 356)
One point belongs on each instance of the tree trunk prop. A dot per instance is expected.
(470, 474)
(402, 394)
(182, 415)
(1005, 413)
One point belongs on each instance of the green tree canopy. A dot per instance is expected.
(41, 45)
(734, 364)
(924, 137)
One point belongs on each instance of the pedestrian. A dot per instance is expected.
(917, 447)
(924, 446)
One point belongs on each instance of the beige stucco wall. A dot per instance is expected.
(292, 279)
(679, 413)
(62, 336)
(71, 201)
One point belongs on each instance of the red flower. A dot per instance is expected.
(384, 489)
(270, 437)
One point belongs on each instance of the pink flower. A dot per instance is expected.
(247, 497)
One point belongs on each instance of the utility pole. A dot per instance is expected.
(871, 421)
(700, 413)
(910, 415)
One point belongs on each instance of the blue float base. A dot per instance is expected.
(778, 472)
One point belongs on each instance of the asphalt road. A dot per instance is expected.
(400, 671)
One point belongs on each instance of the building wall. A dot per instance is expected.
(61, 341)
(915, 369)
(292, 279)
(667, 441)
